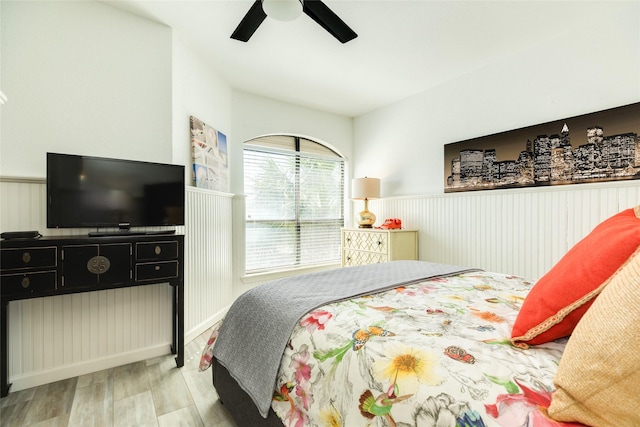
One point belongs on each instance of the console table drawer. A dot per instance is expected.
(156, 250)
(23, 284)
(156, 270)
(24, 258)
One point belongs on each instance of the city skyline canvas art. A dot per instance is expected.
(594, 147)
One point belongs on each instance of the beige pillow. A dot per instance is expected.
(598, 378)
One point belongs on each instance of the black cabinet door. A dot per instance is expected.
(76, 266)
(94, 265)
(118, 257)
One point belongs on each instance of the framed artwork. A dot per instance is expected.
(595, 147)
(209, 156)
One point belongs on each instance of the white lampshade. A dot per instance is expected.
(365, 188)
(282, 10)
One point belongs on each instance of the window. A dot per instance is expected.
(294, 190)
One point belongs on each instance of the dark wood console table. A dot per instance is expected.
(48, 266)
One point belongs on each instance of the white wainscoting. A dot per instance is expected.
(64, 336)
(208, 259)
(513, 231)
(522, 232)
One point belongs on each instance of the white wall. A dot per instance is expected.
(524, 231)
(82, 77)
(197, 91)
(586, 70)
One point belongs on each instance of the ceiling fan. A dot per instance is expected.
(289, 9)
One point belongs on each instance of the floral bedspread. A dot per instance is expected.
(436, 353)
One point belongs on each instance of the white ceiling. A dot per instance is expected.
(402, 48)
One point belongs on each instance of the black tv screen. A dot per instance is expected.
(85, 191)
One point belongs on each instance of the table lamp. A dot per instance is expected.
(365, 189)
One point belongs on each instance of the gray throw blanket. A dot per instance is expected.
(257, 328)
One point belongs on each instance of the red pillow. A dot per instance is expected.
(558, 300)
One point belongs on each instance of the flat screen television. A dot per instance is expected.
(85, 192)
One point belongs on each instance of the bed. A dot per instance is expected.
(412, 343)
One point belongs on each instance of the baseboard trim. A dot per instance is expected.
(29, 380)
(204, 325)
(34, 379)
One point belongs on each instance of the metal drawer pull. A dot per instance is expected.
(157, 250)
(25, 282)
(157, 268)
(98, 264)
(26, 257)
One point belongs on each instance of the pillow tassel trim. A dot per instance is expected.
(557, 318)
(548, 323)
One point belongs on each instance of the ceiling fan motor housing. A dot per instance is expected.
(315, 9)
(282, 10)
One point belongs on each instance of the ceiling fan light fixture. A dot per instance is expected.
(282, 10)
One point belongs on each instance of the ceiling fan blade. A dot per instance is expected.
(320, 12)
(250, 22)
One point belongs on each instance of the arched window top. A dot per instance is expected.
(292, 143)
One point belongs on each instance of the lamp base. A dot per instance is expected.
(366, 219)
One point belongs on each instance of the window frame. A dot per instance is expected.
(321, 151)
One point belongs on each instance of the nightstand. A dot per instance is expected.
(371, 245)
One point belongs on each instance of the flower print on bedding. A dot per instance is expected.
(432, 353)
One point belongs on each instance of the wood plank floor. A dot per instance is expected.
(149, 393)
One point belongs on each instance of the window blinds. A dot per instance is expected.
(294, 191)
